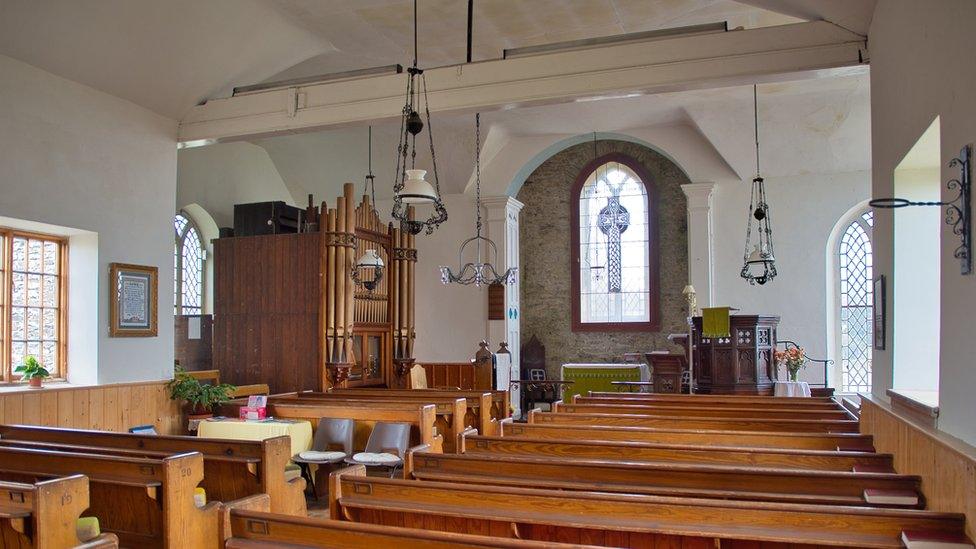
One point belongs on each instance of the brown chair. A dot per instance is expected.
(418, 377)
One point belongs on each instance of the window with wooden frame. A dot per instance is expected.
(33, 309)
(614, 247)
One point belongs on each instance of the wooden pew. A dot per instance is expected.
(451, 412)
(661, 399)
(595, 406)
(232, 469)
(696, 400)
(43, 515)
(500, 400)
(660, 478)
(804, 441)
(145, 502)
(255, 529)
(619, 520)
(422, 417)
(574, 416)
(777, 458)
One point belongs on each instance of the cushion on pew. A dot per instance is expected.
(88, 528)
(199, 497)
(292, 472)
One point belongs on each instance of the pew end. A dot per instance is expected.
(408, 459)
(257, 502)
(185, 524)
(532, 416)
(335, 487)
(462, 439)
(287, 496)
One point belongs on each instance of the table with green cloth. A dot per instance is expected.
(600, 377)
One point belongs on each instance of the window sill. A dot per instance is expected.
(14, 388)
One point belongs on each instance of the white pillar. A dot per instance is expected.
(700, 257)
(503, 228)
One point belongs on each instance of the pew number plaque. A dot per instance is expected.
(133, 301)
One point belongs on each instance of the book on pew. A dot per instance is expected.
(890, 497)
(934, 539)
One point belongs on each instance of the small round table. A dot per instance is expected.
(791, 389)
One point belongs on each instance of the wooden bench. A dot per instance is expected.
(778, 458)
(619, 520)
(855, 442)
(44, 514)
(252, 529)
(576, 415)
(451, 412)
(596, 406)
(500, 400)
(145, 502)
(421, 416)
(232, 469)
(661, 478)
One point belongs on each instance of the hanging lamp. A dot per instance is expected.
(370, 262)
(409, 186)
(478, 272)
(758, 260)
(596, 268)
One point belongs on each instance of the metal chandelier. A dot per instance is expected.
(409, 186)
(758, 260)
(370, 260)
(478, 273)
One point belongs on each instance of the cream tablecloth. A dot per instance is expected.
(791, 389)
(299, 431)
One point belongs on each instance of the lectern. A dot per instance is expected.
(741, 363)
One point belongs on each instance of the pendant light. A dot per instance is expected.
(479, 273)
(409, 187)
(370, 262)
(758, 260)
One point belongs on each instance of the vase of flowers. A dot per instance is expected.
(793, 359)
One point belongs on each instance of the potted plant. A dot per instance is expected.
(201, 399)
(792, 359)
(33, 371)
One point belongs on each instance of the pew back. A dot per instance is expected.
(577, 415)
(43, 515)
(632, 407)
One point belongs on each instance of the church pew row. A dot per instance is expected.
(421, 416)
(500, 400)
(232, 469)
(632, 407)
(854, 442)
(450, 414)
(647, 399)
(620, 520)
(695, 400)
(777, 458)
(577, 415)
(665, 479)
(145, 502)
(255, 529)
(43, 515)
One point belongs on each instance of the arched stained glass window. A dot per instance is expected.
(855, 262)
(188, 255)
(614, 277)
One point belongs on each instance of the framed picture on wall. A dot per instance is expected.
(878, 307)
(132, 303)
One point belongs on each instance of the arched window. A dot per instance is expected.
(614, 263)
(854, 261)
(188, 257)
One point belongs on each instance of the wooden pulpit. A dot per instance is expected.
(741, 363)
(668, 368)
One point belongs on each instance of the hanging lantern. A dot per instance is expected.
(758, 260)
(368, 270)
(479, 272)
(410, 188)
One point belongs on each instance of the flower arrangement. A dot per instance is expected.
(792, 359)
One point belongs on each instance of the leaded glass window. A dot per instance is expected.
(614, 252)
(856, 310)
(188, 257)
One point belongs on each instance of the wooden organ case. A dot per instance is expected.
(288, 313)
(741, 363)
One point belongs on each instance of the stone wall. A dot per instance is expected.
(545, 252)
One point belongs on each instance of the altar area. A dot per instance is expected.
(600, 377)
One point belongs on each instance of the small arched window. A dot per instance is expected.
(614, 263)
(188, 255)
(855, 264)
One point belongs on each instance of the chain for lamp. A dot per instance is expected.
(370, 183)
(478, 273)
(758, 210)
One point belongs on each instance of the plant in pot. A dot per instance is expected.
(201, 398)
(33, 371)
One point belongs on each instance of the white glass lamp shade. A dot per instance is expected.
(757, 257)
(370, 259)
(416, 190)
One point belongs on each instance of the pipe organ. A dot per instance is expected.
(327, 330)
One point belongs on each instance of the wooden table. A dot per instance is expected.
(236, 429)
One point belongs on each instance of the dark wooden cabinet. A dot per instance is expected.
(667, 369)
(261, 218)
(741, 363)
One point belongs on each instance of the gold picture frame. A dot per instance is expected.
(133, 300)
